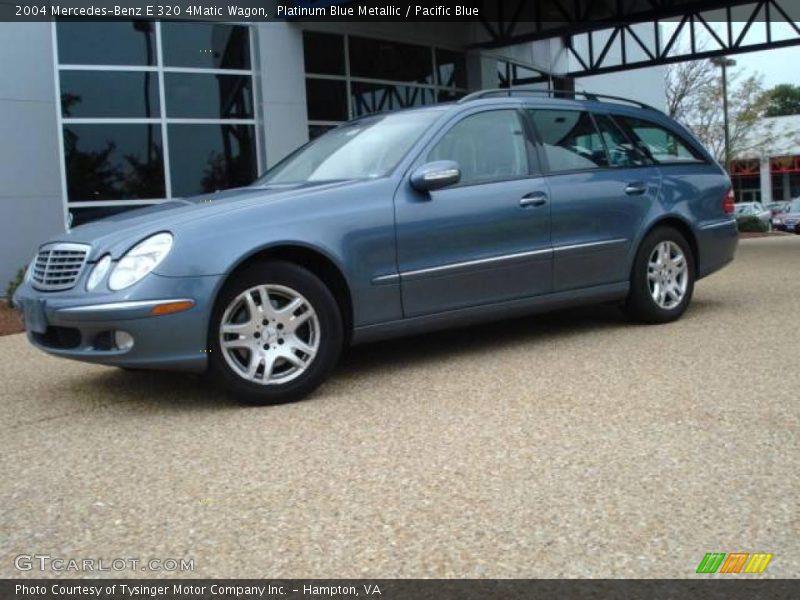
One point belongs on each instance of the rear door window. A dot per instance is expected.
(663, 145)
(621, 150)
(570, 139)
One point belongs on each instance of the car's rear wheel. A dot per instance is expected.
(276, 333)
(662, 281)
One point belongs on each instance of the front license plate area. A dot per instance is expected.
(35, 319)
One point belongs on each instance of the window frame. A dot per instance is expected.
(610, 116)
(701, 159)
(159, 69)
(539, 140)
(617, 119)
(349, 79)
(534, 164)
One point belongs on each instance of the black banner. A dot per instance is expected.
(553, 13)
(396, 589)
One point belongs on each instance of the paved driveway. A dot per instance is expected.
(571, 444)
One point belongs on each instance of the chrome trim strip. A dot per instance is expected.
(110, 306)
(443, 174)
(384, 279)
(497, 259)
(590, 245)
(66, 246)
(719, 224)
(476, 262)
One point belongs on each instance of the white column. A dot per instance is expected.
(766, 182)
(281, 80)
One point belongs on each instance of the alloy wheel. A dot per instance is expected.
(667, 275)
(269, 334)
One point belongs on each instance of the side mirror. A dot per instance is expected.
(435, 175)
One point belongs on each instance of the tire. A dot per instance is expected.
(641, 305)
(300, 359)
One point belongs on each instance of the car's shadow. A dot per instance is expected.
(180, 391)
(484, 338)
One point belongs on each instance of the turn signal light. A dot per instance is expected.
(171, 308)
(728, 202)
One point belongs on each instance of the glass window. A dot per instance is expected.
(662, 145)
(503, 69)
(451, 69)
(113, 161)
(205, 45)
(314, 131)
(378, 59)
(621, 152)
(86, 214)
(326, 99)
(107, 157)
(207, 96)
(522, 75)
(449, 96)
(370, 98)
(368, 148)
(107, 94)
(207, 158)
(487, 146)
(106, 42)
(570, 139)
(323, 53)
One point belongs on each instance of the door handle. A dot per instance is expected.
(637, 188)
(533, 199)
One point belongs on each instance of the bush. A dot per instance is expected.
(14, 284)
(750, 223)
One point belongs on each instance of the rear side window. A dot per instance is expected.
(570, 139)
(663, 145)
(488, 146)
(621, 151)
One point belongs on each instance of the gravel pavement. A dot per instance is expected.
(564, 445)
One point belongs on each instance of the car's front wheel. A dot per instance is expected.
(662, 281)
(276, 333)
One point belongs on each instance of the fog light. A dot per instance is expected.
(123, 340)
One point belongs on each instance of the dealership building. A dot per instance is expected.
(102, 117)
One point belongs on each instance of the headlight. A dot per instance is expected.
(139, 261)
(98, 273)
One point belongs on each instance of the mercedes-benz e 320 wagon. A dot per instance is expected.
(501, 204)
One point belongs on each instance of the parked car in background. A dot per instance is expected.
(777, 208)
(393, 224)
(752, 216)
(790, 220)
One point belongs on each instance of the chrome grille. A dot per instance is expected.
(58, 266)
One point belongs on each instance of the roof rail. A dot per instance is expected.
(551, 94)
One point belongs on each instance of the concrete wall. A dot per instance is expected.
(31, 205)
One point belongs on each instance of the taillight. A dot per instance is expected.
(728, 202)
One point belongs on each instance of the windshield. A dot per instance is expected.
(793, 206)
(745, 209)
(363, 149)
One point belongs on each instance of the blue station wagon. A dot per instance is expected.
(502, 204)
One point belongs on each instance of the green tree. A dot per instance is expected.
(694, 98)
(783, 99)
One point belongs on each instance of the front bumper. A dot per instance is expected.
(81, 326)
